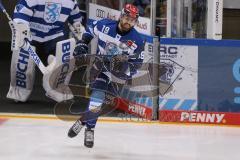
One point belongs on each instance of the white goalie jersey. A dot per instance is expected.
(46, 18)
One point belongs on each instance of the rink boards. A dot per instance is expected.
(196, 75)
(200, 81)
(211, 77)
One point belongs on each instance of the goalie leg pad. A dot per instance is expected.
(20, 32)
(22, 76)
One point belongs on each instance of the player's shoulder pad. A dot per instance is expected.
(102, 23)
(137, 36)
(106, 21)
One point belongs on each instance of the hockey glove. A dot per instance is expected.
(118, 62)
(81, 48)
(77, 29)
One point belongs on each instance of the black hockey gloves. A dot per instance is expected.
(81, 48)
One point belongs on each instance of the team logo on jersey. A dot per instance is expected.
(52, 12)
(112, 49)
(124, 47)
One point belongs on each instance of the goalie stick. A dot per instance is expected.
(27, 46)
(71, 28)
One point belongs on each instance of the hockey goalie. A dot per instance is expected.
(40, 25)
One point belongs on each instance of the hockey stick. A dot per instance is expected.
(27, 46)
(70, 26)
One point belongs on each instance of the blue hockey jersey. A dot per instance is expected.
(112, 42)
(46, 18)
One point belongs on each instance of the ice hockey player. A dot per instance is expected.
(109, 32)
(42, 23)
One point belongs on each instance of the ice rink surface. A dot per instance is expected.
(38, 139)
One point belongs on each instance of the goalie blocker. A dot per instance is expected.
(56, 80)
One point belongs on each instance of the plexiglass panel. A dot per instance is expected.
(189, 18)
(161, 18)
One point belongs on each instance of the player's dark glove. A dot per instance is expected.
(80, 49)
(121, 68)
(118, 62)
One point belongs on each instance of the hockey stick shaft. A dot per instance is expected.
(4, 11)
(27, 45)
(35, 57)
(73, 32)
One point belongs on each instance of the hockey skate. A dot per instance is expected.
(89, 137)
(75, 129)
